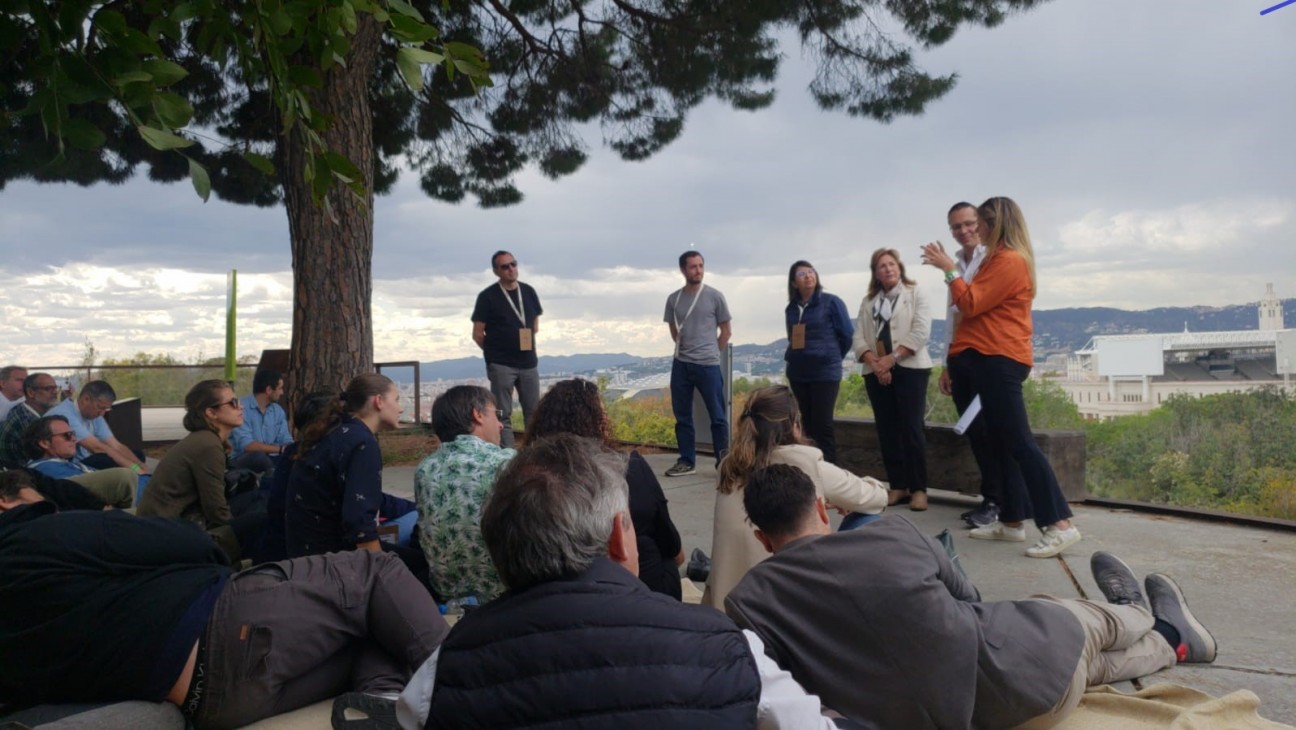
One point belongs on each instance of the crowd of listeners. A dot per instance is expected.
(567, 545)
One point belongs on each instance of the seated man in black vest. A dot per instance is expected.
(104, 606)
(879, 623)
(576, 640)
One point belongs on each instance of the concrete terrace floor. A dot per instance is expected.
(1239, 581)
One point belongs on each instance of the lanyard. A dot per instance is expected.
(801, 313)
(519, 310)
(679, 323)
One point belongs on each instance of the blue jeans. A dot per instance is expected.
(406, 525)
(685, 377)
(856, 519)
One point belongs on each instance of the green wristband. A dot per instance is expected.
(950, 276)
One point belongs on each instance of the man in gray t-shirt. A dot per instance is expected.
(696, 314)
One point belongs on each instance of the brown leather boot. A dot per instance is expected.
(897, 496)
(918, 502)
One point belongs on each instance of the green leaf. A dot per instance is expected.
(164, 72)
(410, 68)
(281, 22)
(160, 139)
(405, 8)
(422, 56)
(174, 110)
(200, 179)
(131, 77)
(348, 18)
(183, 12)
(341, 167)
(80, 133)
(260, 162)
(110, 21)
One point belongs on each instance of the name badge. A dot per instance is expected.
(524, 339)
(798, 336)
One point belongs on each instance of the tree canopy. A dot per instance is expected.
(318, 104)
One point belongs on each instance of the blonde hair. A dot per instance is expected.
(768, 420)
(1008, 230)
(875, 286)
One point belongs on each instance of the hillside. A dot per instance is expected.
(1057, 331)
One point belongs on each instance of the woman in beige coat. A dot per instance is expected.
(891, 342)
(769, 432)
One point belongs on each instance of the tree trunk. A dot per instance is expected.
(332, 258)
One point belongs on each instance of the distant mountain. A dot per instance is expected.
(1056, 331)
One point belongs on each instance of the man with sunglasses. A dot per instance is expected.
(505, 321)
(41, 394)
(51, 444)
(96, 444)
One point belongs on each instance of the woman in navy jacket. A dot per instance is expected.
(819, 336)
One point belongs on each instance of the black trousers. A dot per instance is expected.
(900, 410)
(998, 380)
(817, 401)
(996, 465)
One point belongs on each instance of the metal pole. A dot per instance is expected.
(231, 296)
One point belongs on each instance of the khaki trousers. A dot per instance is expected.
(1119, 644)
(116, 486)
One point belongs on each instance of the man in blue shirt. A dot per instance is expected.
(97, 448)
(258, 443)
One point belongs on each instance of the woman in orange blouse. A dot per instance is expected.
(994, 336)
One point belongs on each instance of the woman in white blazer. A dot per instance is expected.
(891, 341)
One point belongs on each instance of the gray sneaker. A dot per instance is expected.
(681, 469)
(1116, 581)
(1168, 604)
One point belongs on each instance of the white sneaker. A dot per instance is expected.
(1054, 542)
(998, 531)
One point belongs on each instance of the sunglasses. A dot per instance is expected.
(509, 265)
(234, 403)
(67, 435)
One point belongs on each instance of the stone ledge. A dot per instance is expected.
(949, 457)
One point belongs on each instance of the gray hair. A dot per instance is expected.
(8, 370)
(550, 512)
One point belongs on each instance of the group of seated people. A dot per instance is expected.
(569, 545)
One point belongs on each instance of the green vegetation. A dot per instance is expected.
(1231, 452)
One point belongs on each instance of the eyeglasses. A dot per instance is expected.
(68, 435)
(509, 265)
(234, 403)
(805, 273)
(499, 413)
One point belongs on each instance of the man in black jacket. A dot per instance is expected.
(105, 606)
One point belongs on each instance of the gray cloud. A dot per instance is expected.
(1149, 145)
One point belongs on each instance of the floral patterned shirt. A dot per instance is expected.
(450, 487)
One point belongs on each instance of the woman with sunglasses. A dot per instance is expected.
(189, 481)
(819, 334)
(993, 339)
(769, 432)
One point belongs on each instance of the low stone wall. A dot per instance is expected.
(949, 457)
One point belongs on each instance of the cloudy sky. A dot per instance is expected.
(1150, 145)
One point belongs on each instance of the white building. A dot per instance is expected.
(1120, 375)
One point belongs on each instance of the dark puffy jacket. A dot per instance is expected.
(828, 338)
(596, 651)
